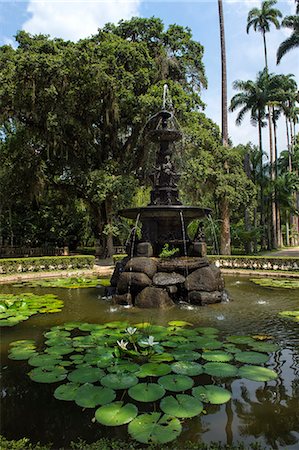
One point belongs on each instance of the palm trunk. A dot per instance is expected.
(262, 211)
(265, 51)
(225, 246)
(272, 225)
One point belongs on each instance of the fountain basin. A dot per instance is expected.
(166, 211)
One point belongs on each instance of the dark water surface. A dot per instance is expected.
(267, 413)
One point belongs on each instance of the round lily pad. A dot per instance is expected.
(89, 396)
(85, 375)
(154, 428)
(185, 355)
(217, 356)
(153, 370)
(206, 330)
(257, 373)
(161, 357)
(66, 391)
(179, 323)
(190, 368)
(176, 383)
(243, 340)
(181, 406)
(207, 343)
(265, 347)
(251, 357)
(48, 374)
(221, 370)
(124, 367)
(44, 360)
(60, 350)
(146, 392)
(19, 353)
(210, 393)
(116, 413)
(119, 380)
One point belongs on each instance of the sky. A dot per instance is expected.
(73, 20)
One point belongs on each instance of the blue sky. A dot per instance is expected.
(76, 19)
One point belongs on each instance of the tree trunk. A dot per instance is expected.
(109, 243)
(225, 246)
(272, 224)
(262, 209)
(247, 223)
(265, 51)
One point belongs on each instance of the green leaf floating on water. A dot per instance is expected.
(264, 347)
(44, 360)
(243, 340)
(90, 396)
(176, 383)
(181, 406)
(187, 368)
(67, 283)
(86, 375)
(116, 413)
(119, 380)
(220, 370)
(251, 357)
(18, 353)
(210, 393)
(294, 315)
(17, 308)
(48, 374)
(155, 428)
(66, 391)
(179, 323)
(257, 373)
(186, 355)
(285, 283)
(146, 392)
(153, 370)
(217, 356)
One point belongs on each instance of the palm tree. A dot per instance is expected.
(261, 19)
(292, 41)
(253, 98)
(224, 207)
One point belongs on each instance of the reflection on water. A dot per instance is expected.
(267, 413)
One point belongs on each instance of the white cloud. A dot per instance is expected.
(74, 20)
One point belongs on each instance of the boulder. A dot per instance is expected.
(205, 279)
(183, 264)
(142, 264)
(172, 289)
(133, 282)
(145, 249)
(123, 300)
(166, 279)
(153, 297)
(119, 268)
(204, 298)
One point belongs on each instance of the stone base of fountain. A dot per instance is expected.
(160, 283)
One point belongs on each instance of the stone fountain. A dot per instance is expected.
(144, 278)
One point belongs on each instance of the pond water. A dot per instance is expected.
(266, 412)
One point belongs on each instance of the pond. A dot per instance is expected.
(264, 412)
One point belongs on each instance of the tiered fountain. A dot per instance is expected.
(146, 279)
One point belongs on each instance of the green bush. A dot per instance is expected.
(119, 257)
(19, 265)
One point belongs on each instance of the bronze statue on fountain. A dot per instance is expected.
(144, 279)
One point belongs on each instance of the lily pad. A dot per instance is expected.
(155, 428)
(265, 347)
(179, 323)
(257, 373)
(116, 413)
(220, 370)
(251, 357)
(185, 355)
(119, 380)
(90, 396)
(43, 360)
(285, 283)
(18, 353)
(243, 340)
(181, 406)
(146, 392)
(176, 383)
(217, 356)
(210, 393)
(66, 391)
(153, 370)
(85, 375)
(187, 368)
(48, 374)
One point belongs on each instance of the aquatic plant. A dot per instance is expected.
(17, 308)
(115, 368)
(284, 283)
(68, 283)
(293, 315)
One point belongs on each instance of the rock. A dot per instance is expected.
(182, 264)
(137, 281)
(199, 249)
(152, 297)
(172, 289)
(119, 268)
(124, 300)
(205, 279)
(166, 279)
(204, 298)
(145, 249)
(141, 264)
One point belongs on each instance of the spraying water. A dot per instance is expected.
(214, 234)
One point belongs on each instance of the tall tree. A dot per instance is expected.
(261, 19)
(291, 22)
(225, 244)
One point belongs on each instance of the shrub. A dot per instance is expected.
(19, 265)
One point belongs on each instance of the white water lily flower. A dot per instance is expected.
(150, 341)
(122, 344)
(131, 330)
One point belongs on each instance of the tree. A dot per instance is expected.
(261, 19)
(225, 213)
(292, 41)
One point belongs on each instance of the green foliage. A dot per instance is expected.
(284, 283)
(293, 315)
(43, 263)
(17, 308)
(67, 283)
(99, 363)
(168, 252)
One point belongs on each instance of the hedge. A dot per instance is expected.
(285, 263)
(45, 263)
